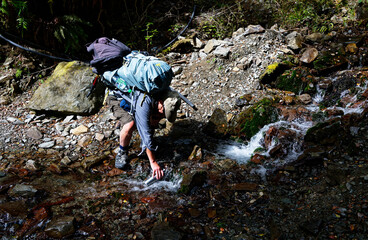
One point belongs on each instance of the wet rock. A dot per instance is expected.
(309, 55)
(34, 133)
(305, 98)
(325, 133)
(165, 231)
(196, 154)
(245, 186)
(22, 190)
(217, 125)
(257, 158)
(297, 80)
(91, 161)
(15, 209)
(191, 180)
(251, 120)
(227, 164)
(60, 227)
(328, 62)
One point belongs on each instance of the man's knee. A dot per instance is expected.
(128, 128)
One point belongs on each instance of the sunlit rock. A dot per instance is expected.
(66, 90)
(309, 55)
(295, 40)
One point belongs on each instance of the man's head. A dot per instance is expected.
(171, 103)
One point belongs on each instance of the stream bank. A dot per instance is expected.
(58, 180)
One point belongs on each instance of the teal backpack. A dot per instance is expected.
(146, 73)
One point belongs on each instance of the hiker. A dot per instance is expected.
(134, 78)
(147, 113)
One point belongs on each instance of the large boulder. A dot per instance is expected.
(66, 90)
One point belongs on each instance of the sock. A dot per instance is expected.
(124, 149)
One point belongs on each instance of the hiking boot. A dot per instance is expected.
(121, 159)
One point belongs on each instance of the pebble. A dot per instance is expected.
(49, 144)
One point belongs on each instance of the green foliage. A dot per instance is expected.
(18, 73)
(223, 18)
(19, 8)
(70, 31)
(150, 34)
(315, 14)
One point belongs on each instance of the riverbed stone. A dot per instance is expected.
(217, 125)
(191, 180)
(34, 133)
(79, 130)
(163, 230)
(15, 209)
(60, 227)
(23, 190)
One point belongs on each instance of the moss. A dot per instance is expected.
(272, 71)
(297, 80)
(253, 119)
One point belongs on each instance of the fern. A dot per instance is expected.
(70, 32)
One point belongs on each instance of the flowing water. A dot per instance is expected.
(243, 152)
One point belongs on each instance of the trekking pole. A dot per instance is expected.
(185, 100)
(93, 85)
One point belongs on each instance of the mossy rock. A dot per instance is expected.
(329, 62)
(182, 46)
(297, 80)
(272, 71)
(251, 120)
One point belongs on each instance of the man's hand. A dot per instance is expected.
(157, 171)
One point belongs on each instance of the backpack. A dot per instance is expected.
(146, 73)
(108, 54)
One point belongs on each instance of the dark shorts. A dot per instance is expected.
(123, 116)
